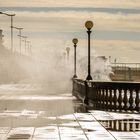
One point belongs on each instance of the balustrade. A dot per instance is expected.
(117, 96)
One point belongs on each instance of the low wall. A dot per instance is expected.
(125, 74)
(117, 96)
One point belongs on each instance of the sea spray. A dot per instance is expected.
(100, 68)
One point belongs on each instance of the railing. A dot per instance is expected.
(125, 71)
(126, 65)
(117, 96)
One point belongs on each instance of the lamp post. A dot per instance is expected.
(25, 40)
(89, 25)
(28, 46)
(75, 41)
(68, 51)
(19, 37)
(30, 49)
(11, 15)
(109, 59)
(1, 37)
(64, 58)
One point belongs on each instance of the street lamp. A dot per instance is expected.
(30, 49)
(25, 40)
(89, 25)
(28, 46)
(68, 51)
(75, 41)
(19, 37)
(11, 15)
(1, 37)
(64, 55)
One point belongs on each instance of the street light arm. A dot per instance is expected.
(7, 14)
(17, 28)
(22, 36)
(11, 16)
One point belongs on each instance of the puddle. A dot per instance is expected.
(80, 107)
(20, 136)
(122, 125)
(20, 133)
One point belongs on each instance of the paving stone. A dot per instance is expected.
(125, 136)
(21, 133)
(48, 132)
(63, 124)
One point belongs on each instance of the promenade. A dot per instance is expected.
(33, 113)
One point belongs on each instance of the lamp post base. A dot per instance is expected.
(74, 76)
(89, 77)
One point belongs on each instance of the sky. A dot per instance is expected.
(52, 24)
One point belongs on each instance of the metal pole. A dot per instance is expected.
(31, 49)
(68, 56)
(25, 45)
(25, 37)
(28, 47)
(75, 41)
(20, 41)
(75, 76)
(89, 75)
(68, 50)
(12, 50)
(12, 41)
(19, 37)
(11, 15)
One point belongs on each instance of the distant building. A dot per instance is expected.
(1, 37)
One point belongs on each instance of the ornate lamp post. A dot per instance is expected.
(64, 58)
(75, 41)
(68, 51)
(11, 15)
(89, 25)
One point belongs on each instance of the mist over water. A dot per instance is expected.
(100, 68)
(55, 68)
(52, 70)
(49, 66)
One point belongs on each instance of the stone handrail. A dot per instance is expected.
(117, 96)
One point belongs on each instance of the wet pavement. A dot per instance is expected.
(35, 113)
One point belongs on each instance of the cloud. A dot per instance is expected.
(74, 21)
(73, 3)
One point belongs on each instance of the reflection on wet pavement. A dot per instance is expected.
(20, 133)
(61, 117)
(122, 125)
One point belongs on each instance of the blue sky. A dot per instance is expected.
(53, 24)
